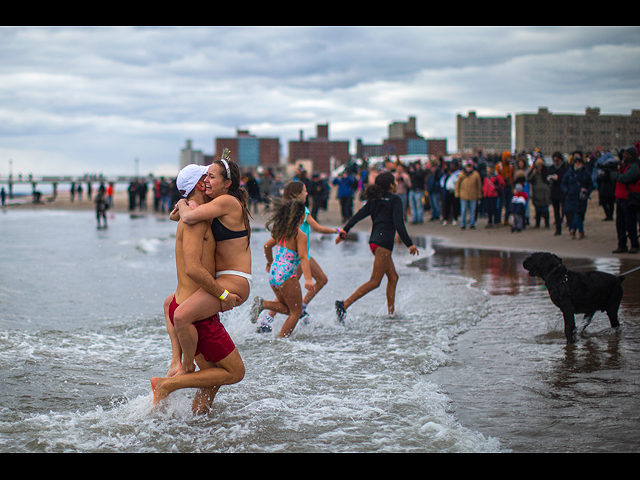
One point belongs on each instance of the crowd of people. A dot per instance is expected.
(523, 190)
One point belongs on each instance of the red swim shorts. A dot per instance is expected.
(373, 247)
(214, 343)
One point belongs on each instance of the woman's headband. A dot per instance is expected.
(225, 157)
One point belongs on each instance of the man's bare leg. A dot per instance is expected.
(228, 371)
(176, 351)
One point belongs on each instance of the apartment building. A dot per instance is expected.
(549, 132)
(489, 134)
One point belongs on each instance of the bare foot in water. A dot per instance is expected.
(159, 393)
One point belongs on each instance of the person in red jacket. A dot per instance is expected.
(628, 184)
(491, 190)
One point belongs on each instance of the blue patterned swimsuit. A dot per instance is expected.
(285, 265)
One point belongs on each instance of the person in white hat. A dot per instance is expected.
(189, 177)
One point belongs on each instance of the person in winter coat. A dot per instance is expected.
(556, 173)
(434, 190)
(606, 186)
(627, 185)
(577, 186)
(469, 191)
(540, 191)
(491, 191)
(506, 170)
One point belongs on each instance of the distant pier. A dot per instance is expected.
(34, 181)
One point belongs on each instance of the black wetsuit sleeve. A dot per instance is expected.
(361, 214)
(398, 222)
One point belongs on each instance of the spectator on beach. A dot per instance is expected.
(133, 195)
(404, 185)
(252, 187)
(156, 195)
(416, 194)
(451, 207)
(577, 186)
(277, 187)
(165, 195)
(102, 205)
(517, 207)
(540, 191)
(346, 185)
(468, 190)
(506, 170)
(491, 191)
(319, 190)
(266, 179)
(601, 175)
(434, 190)
(110, 191)
(627, 180)
(556, 174)
(142, 195)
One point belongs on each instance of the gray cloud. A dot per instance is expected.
(93, 99)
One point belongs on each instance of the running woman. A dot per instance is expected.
(291, 243)
(385, 210)
(296, 190)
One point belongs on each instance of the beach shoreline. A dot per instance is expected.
(599, 241)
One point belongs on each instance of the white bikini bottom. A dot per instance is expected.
(238, 274)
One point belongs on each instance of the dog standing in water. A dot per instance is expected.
(577, 292)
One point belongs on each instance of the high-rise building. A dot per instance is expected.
(565, 133)
(320, 150)
(489, 134)
(249, 151)
(188, 155)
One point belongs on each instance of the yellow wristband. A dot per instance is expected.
(224, 295)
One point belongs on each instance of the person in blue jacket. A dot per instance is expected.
(346, 186)
(577, 185)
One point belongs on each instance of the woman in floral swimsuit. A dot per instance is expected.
(284, 226)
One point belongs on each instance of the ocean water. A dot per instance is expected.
(82, 333)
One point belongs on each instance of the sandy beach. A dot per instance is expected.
(599, 240)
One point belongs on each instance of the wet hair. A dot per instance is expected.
(235, 190)
(292, 189)
(382, 185)
(286, 218)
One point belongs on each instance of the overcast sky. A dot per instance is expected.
(92, 100)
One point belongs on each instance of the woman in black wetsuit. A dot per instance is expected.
(385, 209)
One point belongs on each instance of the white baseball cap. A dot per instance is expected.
(188, 177)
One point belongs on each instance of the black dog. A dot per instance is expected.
(576, 292)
